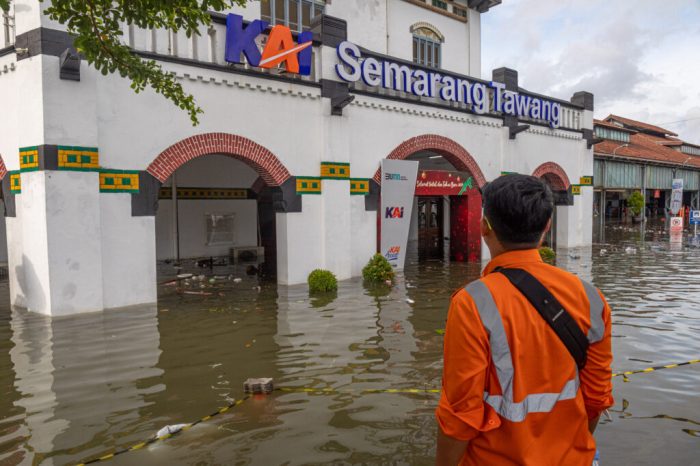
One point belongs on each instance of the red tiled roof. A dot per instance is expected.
(646, 147)
(610, 125)
(639, 125)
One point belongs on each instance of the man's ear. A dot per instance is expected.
(485, 229)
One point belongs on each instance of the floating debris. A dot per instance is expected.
(169, 430)
(237, 280)
(603, 252)
(410, 301)
(630, 250)
(183, 276)
(256, 386)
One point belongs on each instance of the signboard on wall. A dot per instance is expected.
(676, 224)
(575, 189)
(443, 183)
(398, 189)
(586, 181)
(676, 196)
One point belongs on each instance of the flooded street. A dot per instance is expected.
(73, 389)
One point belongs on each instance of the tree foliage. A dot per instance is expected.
(98, 26)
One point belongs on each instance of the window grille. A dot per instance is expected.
(297, 14)
(427, 48)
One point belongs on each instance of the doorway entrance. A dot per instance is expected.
(430, 223)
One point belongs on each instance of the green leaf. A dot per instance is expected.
(97, 26)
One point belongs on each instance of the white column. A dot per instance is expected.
(59, 271)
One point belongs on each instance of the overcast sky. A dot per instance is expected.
(641, 58)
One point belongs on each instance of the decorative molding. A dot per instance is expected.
(29, 158)
(428, 26)
(78, 158)
(15, 182)
(308, 185)
(119, 181)
(451, 150)
(359, 186)
(264, 162)
(166, 193)
(335, 170)
(554, 175)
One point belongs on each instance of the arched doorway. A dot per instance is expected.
(218, 203)
(447, 206)
(555, 176)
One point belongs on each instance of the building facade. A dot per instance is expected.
(633, 156)
(99, 182)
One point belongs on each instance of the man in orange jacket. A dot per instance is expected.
(512, 394)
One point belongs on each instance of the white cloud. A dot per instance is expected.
(639, 57)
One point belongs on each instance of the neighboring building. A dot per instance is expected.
(637, 156)
(102, 182)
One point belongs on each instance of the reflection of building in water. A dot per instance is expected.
(348, 345)
(80, 376)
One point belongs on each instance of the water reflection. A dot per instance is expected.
(74, 388)
(76, 377)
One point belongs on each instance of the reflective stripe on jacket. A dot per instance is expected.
(509, 384)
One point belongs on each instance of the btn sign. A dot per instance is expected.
(280, 49)
(575, 189)
(586, 181)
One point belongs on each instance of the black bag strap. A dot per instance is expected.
(551, 311)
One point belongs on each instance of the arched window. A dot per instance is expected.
(427, 43)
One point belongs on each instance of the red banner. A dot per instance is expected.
(443, 183)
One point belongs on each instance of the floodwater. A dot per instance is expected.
(74, 389)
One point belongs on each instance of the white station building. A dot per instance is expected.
(100, 183)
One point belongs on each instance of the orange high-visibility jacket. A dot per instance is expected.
(509, 384)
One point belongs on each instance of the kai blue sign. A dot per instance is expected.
(280, 49)
(419, 82)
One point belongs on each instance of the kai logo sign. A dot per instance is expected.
(280, 49)
(393, 253)
(393, 212)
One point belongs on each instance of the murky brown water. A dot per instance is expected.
(75, 388)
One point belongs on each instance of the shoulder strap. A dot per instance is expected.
(552, 312)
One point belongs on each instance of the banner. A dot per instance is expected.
(676, 196)
(398, 190)
(443, 183)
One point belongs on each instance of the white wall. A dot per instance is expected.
(211, 171)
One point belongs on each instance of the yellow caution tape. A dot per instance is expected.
(653, 369)
(154, 439)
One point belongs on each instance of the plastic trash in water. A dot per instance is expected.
(171, 429)
(410, 301)
(237, 280)
(630, 250)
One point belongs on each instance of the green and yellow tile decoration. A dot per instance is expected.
(308, 185)
(119, 181)
(359, 186)
(29, 158)
(335, 170)
(78, 158)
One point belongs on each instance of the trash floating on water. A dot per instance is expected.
(198, 293)
(169, 430)
(237, 280)
(410, 301)
(574, 256)
(603, 252)
(182, 276)
(264, 385)
(387, 282)
(630, 250)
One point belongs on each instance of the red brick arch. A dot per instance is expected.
(451, 150)
(3, 169)
(554, 175)
(268, 166)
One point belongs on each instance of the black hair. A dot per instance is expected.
(518, 208)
